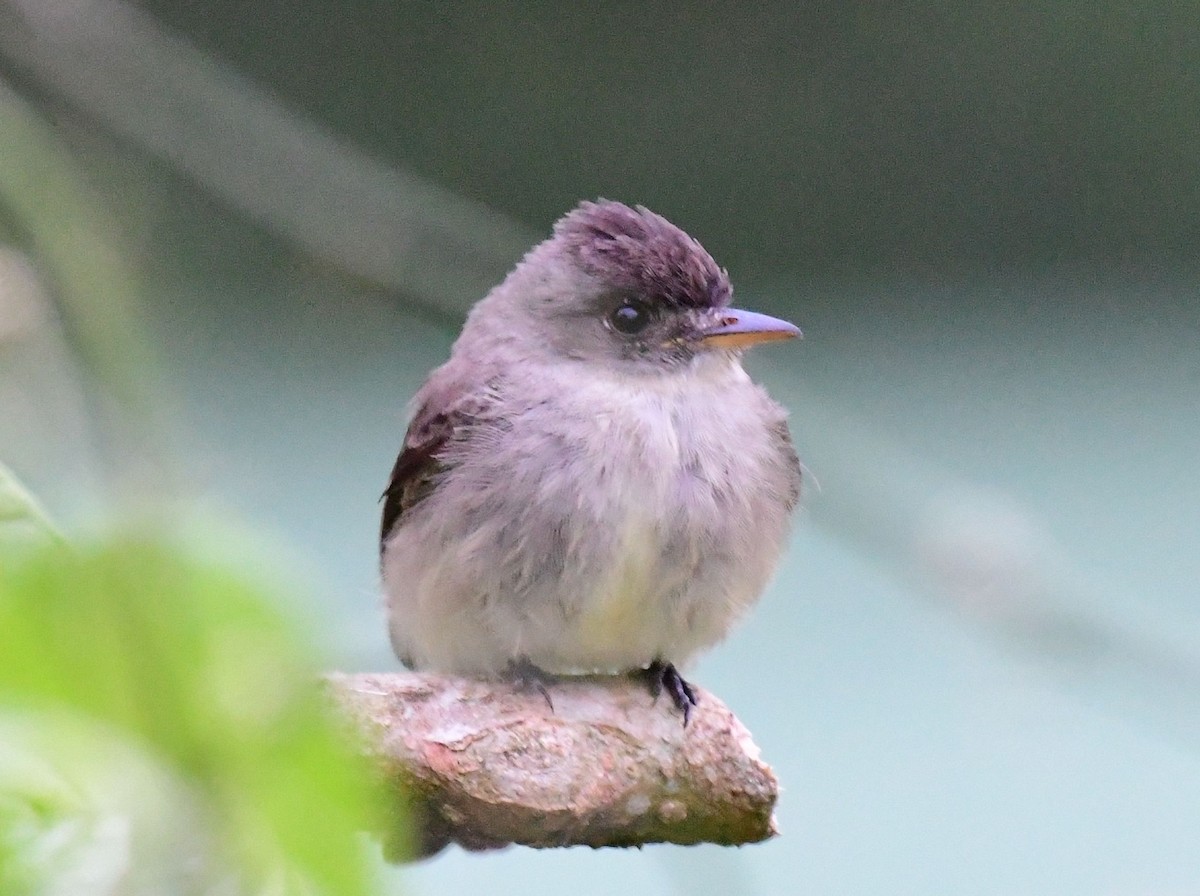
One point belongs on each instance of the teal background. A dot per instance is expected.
(977, 669)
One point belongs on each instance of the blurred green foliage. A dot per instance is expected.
(49, 205)
(162, 726)
(191, 664)
(23, 523)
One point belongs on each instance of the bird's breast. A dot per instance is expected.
(654, 481)
(619, 608)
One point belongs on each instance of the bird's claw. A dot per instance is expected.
(664, 676)
(525, 676)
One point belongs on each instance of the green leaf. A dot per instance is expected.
(23, 523)
(193, 666)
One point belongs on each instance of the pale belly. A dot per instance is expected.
(623, 621)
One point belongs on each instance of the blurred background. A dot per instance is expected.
(235, 237)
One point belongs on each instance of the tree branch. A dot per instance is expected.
(485, 764)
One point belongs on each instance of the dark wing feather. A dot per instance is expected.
(443, 416)
(788, 448)
(414, 471)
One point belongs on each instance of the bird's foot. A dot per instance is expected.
(665, 677)
(526, 677)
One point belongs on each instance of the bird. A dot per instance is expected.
(592, 483)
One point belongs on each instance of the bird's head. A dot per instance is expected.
(625, 286)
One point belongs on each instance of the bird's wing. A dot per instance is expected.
(795, 468)
(443, 414)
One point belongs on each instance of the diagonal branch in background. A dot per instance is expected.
(488, 764)
(118, 66)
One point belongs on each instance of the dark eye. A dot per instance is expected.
(631, 317)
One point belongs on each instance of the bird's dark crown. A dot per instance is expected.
(636, 251)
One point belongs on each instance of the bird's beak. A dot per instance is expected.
(740, 329)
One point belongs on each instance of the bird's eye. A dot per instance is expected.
(630, 317)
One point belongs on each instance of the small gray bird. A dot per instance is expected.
(591, 483)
